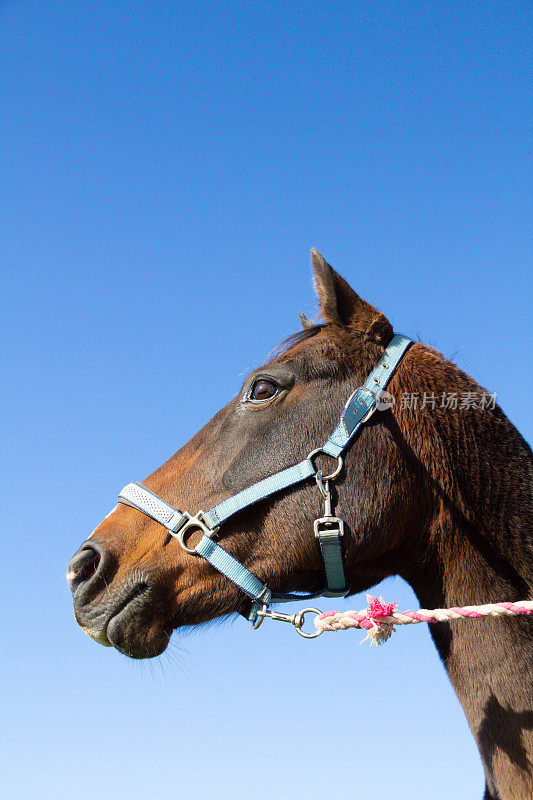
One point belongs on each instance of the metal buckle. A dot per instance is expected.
(373, 408)
(195, 521)
(358, 392)
(328, 528)
(297, 620)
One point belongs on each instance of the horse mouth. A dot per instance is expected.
(130, 624)
(99, 636)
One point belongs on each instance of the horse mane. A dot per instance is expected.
(475, 462)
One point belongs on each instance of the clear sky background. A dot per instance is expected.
(167, 167)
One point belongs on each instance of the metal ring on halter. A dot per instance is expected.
(260, 618)
(334, 474)
(193, 522)
(299, 620)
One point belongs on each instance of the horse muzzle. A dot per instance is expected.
(127, 614)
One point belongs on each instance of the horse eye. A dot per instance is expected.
(263, 390)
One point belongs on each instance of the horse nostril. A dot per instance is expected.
(85, 567)
(88, 568)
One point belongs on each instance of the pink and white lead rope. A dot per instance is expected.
(380, 618)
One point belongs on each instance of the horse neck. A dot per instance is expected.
(477, 548)
(489, 661)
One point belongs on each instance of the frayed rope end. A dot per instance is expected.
(377, 631)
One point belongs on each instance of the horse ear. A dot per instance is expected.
(306, 323)
(340, 305)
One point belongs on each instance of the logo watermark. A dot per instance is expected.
(452, 401)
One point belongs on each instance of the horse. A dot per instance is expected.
(438, 493)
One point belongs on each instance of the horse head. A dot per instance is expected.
(132, 584)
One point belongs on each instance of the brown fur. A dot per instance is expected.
(440, 497)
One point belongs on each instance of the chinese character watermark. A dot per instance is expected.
(452, 401)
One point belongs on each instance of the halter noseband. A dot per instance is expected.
(328, 529)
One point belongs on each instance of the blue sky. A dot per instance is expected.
(167, 167)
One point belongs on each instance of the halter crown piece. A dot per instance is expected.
(328, 529)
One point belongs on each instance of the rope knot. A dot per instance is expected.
(378, 609)
(373, 620)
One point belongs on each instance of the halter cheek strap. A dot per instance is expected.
(328, 529)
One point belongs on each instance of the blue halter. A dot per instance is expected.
(328, 529)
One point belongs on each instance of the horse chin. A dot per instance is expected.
(138, 644)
